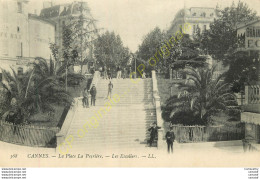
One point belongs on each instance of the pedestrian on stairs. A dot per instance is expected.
(93, 93)
(109, 73)
(124, 73)
(153, 133)
(170, 137)
(110, 87)
(85, 98)
(118, 72)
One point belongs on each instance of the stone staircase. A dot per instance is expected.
(125, 125)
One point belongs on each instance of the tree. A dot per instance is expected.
(109, 50)
(202, 98)
(79, 35)
(221, 42)
(149, 47)
(186, 52)
(221, 37)
(36, 91)
(183, 52)
(242, 71)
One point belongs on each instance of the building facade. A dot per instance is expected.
(65, 15)
(199, 18)
(249, 42)
(22, 36)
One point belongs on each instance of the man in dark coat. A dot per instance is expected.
(170, 137)
(153, 133)
(93, 93)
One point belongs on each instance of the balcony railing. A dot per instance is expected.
(252, 98)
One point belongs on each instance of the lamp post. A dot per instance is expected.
(66, 77)
(135, 66)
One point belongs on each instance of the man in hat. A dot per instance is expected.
(153, 133)
(170, 137)
(93, 93)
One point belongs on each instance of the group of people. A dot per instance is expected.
(108, 73)
(170, 136)
(93, 93)
(85, 99)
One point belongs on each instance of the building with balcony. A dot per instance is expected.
(22, 36)
(249, 35)
(199, 18)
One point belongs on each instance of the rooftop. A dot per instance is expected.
(63, 10)
(247, 23)
(33, 16)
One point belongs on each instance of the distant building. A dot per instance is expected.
(61, 15)
(22, 36)
(199, 18)
(249, 37)
(41, 34)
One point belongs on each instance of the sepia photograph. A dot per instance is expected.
(129, 83)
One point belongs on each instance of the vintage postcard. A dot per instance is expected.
(120, 83)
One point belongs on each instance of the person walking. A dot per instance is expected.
(109, 73)
(85, 98)
(170, 137)
(110, 87)
(118, 72)
(93, 93)
(124, 73)
(153, 133)
(130, 72)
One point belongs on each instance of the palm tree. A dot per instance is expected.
(50, 84)
(203, 95)
(14, 99)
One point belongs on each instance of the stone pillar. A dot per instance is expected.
(246, 94)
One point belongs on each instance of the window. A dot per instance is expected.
(20, 71)
(194, 14)
(253, 32)
(18, 29)
(1, 77)
(20, 7)
(203, 14)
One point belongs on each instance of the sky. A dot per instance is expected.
(133, 19)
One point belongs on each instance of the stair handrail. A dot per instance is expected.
(157, 103)
(61, 135)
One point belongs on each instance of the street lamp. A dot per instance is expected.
(66, 80)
